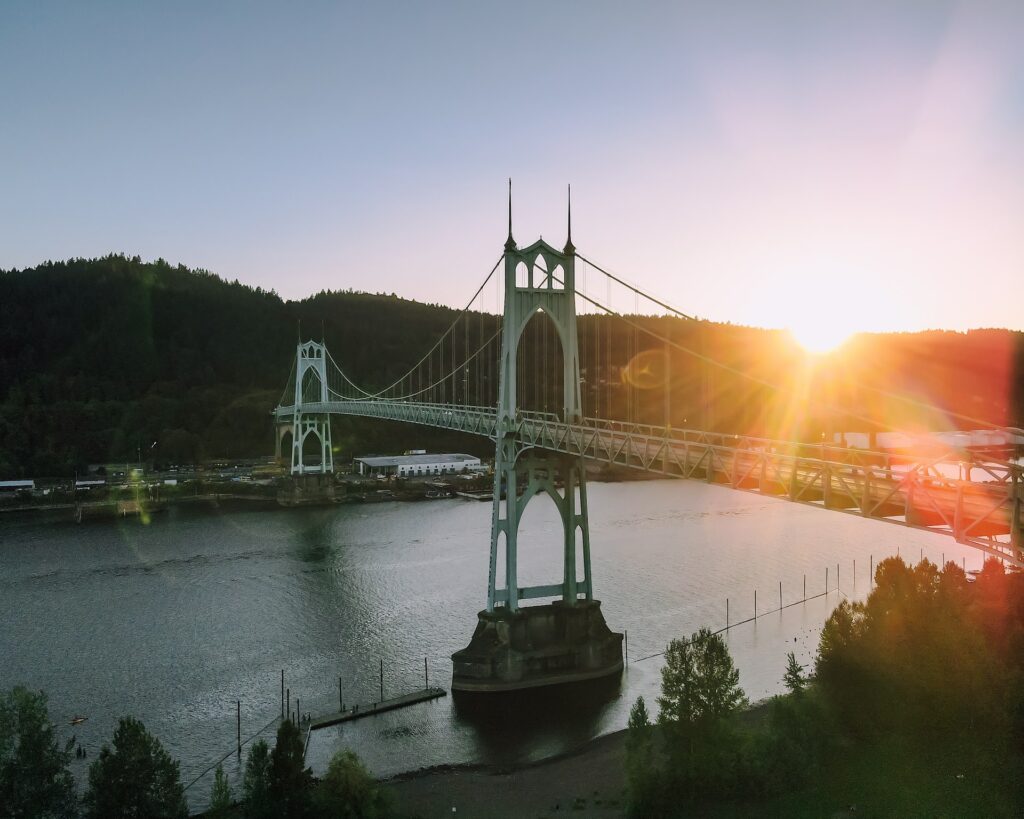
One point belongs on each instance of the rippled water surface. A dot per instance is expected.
(175, 621)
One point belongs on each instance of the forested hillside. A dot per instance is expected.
(101, 358)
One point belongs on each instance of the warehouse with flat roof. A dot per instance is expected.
(421, 464)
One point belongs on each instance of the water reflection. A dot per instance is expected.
(537, 722)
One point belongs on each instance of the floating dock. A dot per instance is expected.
(477, 496)
(360, 711)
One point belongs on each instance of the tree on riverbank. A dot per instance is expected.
(916, 688)
(925, 649)
(34, 778)
(136, 777)
(694, 746)
(220, 796)
(290, 781)
(699, 693)
(256, 781)
(347, 791)
(641, 770)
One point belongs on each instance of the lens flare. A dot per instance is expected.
(646, 370)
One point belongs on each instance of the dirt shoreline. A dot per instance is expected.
(586, 781)
(589, 780)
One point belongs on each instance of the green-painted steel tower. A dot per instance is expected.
(537, 278)
(517, 647)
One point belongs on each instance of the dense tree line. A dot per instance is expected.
(100, 358)
(134, 777)
(929, 661)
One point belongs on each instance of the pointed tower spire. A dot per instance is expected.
(510, 243)
(570, 248)
(300, 330)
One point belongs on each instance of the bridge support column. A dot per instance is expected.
(318, 426)
(562, 478)
(515, 647)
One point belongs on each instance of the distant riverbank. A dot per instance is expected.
(115, 503)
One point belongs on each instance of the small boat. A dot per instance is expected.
(77, 720)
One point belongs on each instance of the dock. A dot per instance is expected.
(360, 711)
(477, 496)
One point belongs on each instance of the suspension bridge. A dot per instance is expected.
(541, 362)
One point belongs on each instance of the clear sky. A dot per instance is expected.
(858, 166)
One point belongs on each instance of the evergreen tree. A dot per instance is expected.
(134, 778)
(290, 780)
(794, 679)
(220, 796)
(256, 781)
(699, 691)
(641, 773)
(699, 682)
(34, 779)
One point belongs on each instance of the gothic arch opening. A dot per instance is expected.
(311, 387)
(541, 543)
(287, 440)
(522, 275)
(540, 365)
(312, 450)
(540, 272)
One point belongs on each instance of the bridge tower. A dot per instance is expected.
(517, 647)
(311, 388)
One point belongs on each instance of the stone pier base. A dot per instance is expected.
(537, 646)
(308, 490)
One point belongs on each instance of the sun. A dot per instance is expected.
(819, 335)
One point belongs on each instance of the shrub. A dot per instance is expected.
(347, 790)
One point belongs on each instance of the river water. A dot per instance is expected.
(176, 620)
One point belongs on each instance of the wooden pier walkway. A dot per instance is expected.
(360, 711)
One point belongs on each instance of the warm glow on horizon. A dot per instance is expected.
(818, 336)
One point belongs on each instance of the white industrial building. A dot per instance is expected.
(23, 486)
(420, 464)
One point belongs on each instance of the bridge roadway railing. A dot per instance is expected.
(978, 502)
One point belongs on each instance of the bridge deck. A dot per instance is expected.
(979, 504)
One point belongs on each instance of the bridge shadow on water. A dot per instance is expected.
(523, 726)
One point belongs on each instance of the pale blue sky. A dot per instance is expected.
(738, 158)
